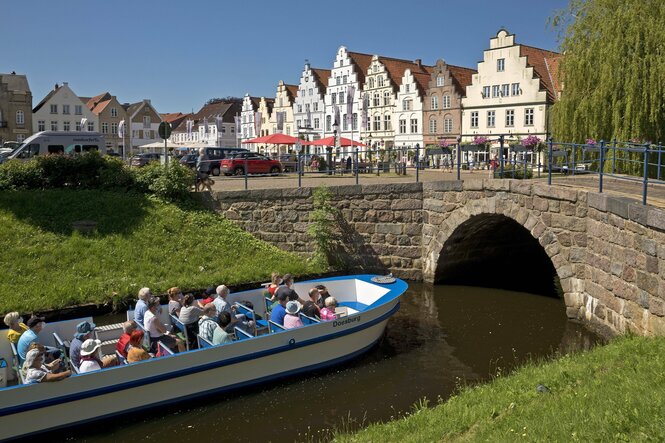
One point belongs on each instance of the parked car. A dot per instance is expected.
(145, 158)
(214, 154)
(256, 164)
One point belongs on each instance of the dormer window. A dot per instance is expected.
(439, 81)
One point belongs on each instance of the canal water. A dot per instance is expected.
(442, 337)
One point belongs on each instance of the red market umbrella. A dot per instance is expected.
(330, 141)
(275, 139)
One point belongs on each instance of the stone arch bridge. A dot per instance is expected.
(608, 252)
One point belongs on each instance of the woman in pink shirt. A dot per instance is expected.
(328, 313)
(292, 319)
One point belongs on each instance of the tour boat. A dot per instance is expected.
(365, 303)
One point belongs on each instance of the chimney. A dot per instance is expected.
(64, 83)
(418, 62)
(56, 87)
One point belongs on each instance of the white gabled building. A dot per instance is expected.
(63, 110)
(144, 122)
(408, 110)
(250, 127)
(284, 99)
(512, 92)
(348, 71)
(309, 107)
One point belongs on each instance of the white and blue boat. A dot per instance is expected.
(366, 303)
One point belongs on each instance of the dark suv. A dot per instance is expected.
(215, 155)
(145, 158)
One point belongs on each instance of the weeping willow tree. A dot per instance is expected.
(613, 70)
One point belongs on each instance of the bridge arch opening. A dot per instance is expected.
(494, 251)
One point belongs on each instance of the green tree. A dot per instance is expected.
(613, 70)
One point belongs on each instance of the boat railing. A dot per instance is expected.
(203, 343)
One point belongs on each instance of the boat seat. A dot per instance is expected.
(180, 326)
(63, 345)
(307, 320)
(242, 335)
(203, 343)
(356, 306)
(251, 315)
(163, 350)
(274, 327)
(121, 359)
(16, 365)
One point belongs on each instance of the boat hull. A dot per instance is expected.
(36, 408)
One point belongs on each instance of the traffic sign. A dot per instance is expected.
(164, 130)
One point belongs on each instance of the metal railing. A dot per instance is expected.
(628, 161)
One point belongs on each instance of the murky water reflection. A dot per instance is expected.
(443, 335)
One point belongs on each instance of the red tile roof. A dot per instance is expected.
(462, 77)
(396, 68)
(321, 77)
(538, 59)
(362, 62)
(292, 91)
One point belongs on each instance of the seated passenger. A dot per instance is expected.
(207, 324)
(175, 301)
(287, 288)
(311, 307)
(16, 326)
(142, 305)
(220, 299)
(90, 357)
(279, 311)
(292, 319)
(123, 342)
(328, 313)
(135, 351)
(56, 365)
(207, 297)
(275, 281)
(83, 332)
(37, 372)
(157, 331)
(220, 335)
(189, 316)
(324, 295)
(35, 325)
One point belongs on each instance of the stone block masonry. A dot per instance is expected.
(609, 252)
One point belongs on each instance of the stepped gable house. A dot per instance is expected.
(512, 92)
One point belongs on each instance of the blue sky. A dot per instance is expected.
(179, 54)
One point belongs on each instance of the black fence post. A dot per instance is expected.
(501, 141)
(246, 183)
(645, 180)
(574, 163)
(357, 165)
(459, 157)
(602, 161)
(417, 162)
(299, 170)
(614, 156)
(550, 144)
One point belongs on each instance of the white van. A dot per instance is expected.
(54, 142)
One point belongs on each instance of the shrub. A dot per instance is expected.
(16, 174)
(172, 182)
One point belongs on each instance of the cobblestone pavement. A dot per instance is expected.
(612, 186)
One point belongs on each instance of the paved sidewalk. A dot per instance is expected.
(612, 186)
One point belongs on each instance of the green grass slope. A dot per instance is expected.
(139, 241)
(613, 393)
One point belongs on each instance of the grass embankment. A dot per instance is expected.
(613, 393)
(139, 241)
